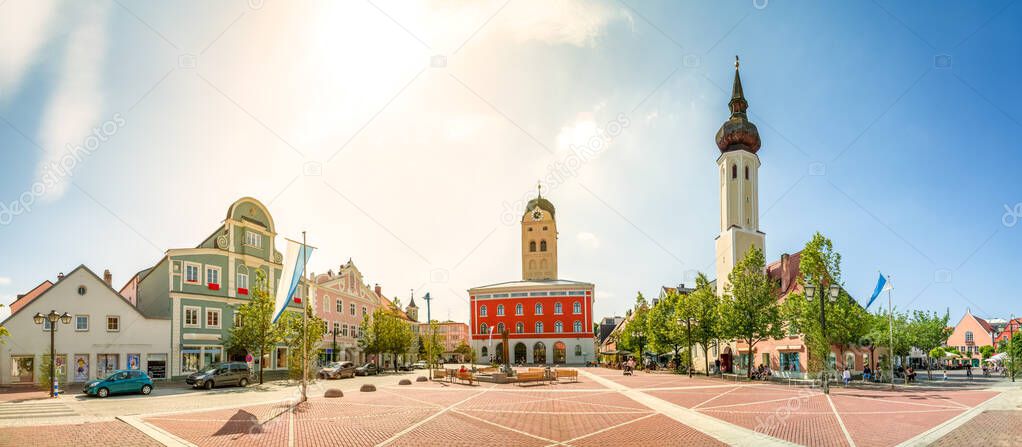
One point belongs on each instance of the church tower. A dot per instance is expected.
(539, 240)
(412, 310)
(738, 166)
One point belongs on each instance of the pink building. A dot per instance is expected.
(970, 334)
(342, 299)
(452, 335)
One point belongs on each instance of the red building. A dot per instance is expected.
(548, 320)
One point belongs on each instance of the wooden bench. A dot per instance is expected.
(489, 370)
(439, 374)
(530, 376)
(465, 377)
(569, 374)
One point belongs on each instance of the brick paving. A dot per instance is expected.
(989, 428)
(101, 434)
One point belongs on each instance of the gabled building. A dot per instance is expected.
(342, 301)
(199, 289)
(970, 334)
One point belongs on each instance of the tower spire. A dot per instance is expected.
(738, 103)
(539, 188)
(737, 133)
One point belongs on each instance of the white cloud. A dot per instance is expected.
(75, 106)
(571, 22)
(587, 239)
(25, 26)
(5, 281)
(578, 133)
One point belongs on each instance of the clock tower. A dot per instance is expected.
(738, 166)
(539, 240)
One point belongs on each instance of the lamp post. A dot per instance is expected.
(1011, 346)
(333, 352)
(53, 317)
(833, 290)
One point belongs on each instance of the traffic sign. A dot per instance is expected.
(249, 358)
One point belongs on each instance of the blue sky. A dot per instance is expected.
(888, 126)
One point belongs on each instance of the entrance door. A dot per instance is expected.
(520, 351)
(500, 353)
(559, 353)
(539, 353)
(23, 369)
(725, 360)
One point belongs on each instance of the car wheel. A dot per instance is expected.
(102, 392)
(209, 384)
(243, 382)
(146, 389)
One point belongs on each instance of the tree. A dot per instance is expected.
(748, 310)
(664, 330)
(987, 351)
(928, 331)
(635, 335)
(3, 331)
(704, 303)
(385, 333)
(255, 332)
(881, 325)
(302, 339)
(465, 351)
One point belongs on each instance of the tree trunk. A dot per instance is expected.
(261, 366)
(706, 359)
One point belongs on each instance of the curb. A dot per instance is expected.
(155, 433)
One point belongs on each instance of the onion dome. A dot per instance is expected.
(737, 133)
(542, 203)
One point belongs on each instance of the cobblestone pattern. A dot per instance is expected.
(102, 434)
(990, 428)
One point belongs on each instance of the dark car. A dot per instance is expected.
(217, 374)
(337, 370)
(124, 381)
(369, 369)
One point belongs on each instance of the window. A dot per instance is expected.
(484, 329)
(539, 309)
(519, 328)
(340, 306)
(191, 316)
(969, 337)
(577, 326)
(212, 275)
(364, 311)
(81, 322)
(190, 358)
(734, 171)
(576, 308)
(482, 310)
(558, 327)
(558, 309)
(789, 361)
(500, 328)
(766, 355)
(519, 309)
(337, 328)
(237, 319)
(344, 330)
(539, 327)
(542, 245)
(545, 228)
(253, 239)
(484, 352)
(578, 350)
(82, 290)
(352, 307)
(281, 357)
(191, 273)
(46, 325)
(500, 310)
(746, 172)
(243, 281)
(532, 245)
(213, 318)
(113, 323)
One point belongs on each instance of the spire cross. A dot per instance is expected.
(539, 188)
(736, 62)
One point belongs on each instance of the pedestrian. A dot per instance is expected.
(847, 376)
(968, 370)
(866, 373)
(944, 370)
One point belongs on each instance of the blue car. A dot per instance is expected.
(123, 381)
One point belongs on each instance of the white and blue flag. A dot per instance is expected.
(295, 257)
(882, 285)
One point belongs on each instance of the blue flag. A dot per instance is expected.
(881, 282)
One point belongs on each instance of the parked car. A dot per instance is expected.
(123, 381)
(405, 367)
(369, 369)
(217, 374)
(421, 364)
(337, 370)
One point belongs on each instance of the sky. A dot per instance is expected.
(407, 136)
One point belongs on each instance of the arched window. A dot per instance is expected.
(500, 310)
(558, 309)
(539, 309)
(519, 328)
(578, 350)
(542, 245)
(969, 337)
(578, 326)
(746, 172)
(519, 309)
(482, 310)
(532, 245)
(484, 329)
(850, 361)
(500, 328)
(734, 171)
(576, 307)
(539, 327)
(558, 327)
(485, 352)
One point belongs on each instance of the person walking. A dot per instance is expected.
(847, 376)
(968, 370)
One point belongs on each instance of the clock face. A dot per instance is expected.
(537, 215)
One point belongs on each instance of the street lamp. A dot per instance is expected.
(53, 317)
(335, 331)
(834, 290)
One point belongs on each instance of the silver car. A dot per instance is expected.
(337, 370)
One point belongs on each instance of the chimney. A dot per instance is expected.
(108, 278)
(60, 276)
(784, 272)
(379, 291)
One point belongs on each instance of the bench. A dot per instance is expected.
(465, 377)
(489, 370)
(570, 374)
(530, 376)
(439, 374)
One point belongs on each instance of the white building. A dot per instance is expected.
(106, 333)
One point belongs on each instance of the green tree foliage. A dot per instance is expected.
(987, 351)
(386, 333)
(927, 331)
(3, 331)
(302, 338)
(703, 304)
(432, 345)
(466, 352)
(635, 336)
(665, 332)
(256, 333)
(749, 310)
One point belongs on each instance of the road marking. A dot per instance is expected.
(551, 441)
(155, 433)
(714, 398)
(20, 410)
(932, 435)
(609, 428)
(291, 426)
(430, 418)
(848, 436)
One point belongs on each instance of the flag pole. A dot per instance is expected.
(305, 324)
(890, 324)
